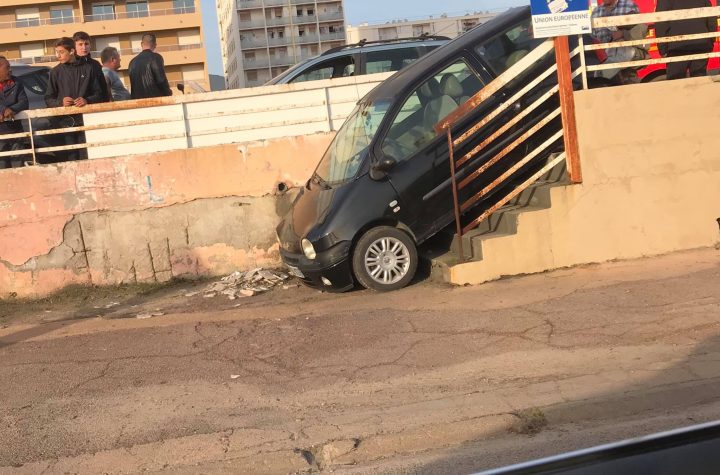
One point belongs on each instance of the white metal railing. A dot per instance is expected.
(139, 14)
(33, 22)
(194, 120)
(648, 18)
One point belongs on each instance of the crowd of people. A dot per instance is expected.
(78, 80)
(675, 69)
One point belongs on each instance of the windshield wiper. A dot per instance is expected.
(319, 181)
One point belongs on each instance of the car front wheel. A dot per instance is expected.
(385, 259)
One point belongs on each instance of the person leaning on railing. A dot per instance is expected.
(624, 33)
(14, 100)
(681, 69)
(71, 83)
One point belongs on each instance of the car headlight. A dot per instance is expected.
(308, 249)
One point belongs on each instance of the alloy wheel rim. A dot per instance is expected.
(387, 260)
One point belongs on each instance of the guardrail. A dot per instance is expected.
(195, 120)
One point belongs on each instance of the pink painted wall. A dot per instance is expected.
(38, 203)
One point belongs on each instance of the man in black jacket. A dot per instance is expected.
(147, 72)
(680, 69)
(13, 99)
(72, 83)
(82, 51)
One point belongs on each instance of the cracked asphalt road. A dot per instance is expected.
(429, 379)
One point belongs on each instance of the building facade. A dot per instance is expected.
(441, 26)
(29, 29)
(262, 38)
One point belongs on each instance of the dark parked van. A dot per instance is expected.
(383, 186)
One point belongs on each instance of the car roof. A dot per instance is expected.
(406, 77)
(21, 69)
(356, 48)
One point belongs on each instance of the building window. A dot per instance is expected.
(388, 33)
(103, 11)
(251, 75)
(299, 12)
(310, 12)
(59, 15)
(184, 6)
(137, 9)
(27, 17)
(420, 30)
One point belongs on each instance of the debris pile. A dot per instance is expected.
(246, 284)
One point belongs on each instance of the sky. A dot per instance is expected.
(361, 11)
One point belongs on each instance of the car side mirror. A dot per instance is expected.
(380, 169)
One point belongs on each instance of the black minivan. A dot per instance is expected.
(383, 186)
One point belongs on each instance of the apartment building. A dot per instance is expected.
(29, 29)
(262, 38)
(443, 25)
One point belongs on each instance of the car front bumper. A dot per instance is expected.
(331, 270)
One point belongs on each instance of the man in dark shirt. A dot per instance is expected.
(147, 72)
(681, 69)
(13, 99)
(73, 82)
(82, 51)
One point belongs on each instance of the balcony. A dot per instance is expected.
(249, 43)
(172, 54)
(275, 3)
(140, 14)
(302, 20)
(252, 24)
(259, 63)
(282, 61)
(331, 17)
(337, 36)
(33, 22)
(242, 4)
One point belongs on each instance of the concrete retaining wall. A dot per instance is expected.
(651, 167)
(146, 218)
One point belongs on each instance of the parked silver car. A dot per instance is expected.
(366, 57)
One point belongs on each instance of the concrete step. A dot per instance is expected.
(501, 224)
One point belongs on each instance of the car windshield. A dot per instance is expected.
(348, 149)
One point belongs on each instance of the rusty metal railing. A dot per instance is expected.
(509, 160)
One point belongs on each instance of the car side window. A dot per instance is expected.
(414, 125)
(509, 47)
(390, 59)
(332, 68)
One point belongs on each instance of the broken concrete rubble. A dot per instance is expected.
(246, 284)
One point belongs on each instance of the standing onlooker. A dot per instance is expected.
(82, 51)
(147, 71)
(110, 58)
(608, 35)
(680, 69)
(13, 99)
(73, 82)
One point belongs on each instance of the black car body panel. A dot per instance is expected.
(393, 123)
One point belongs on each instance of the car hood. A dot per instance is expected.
(309, 211)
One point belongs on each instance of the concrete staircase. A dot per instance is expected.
(500, 246)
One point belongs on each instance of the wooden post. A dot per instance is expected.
(567, 106)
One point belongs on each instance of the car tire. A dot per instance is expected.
(385, 259)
